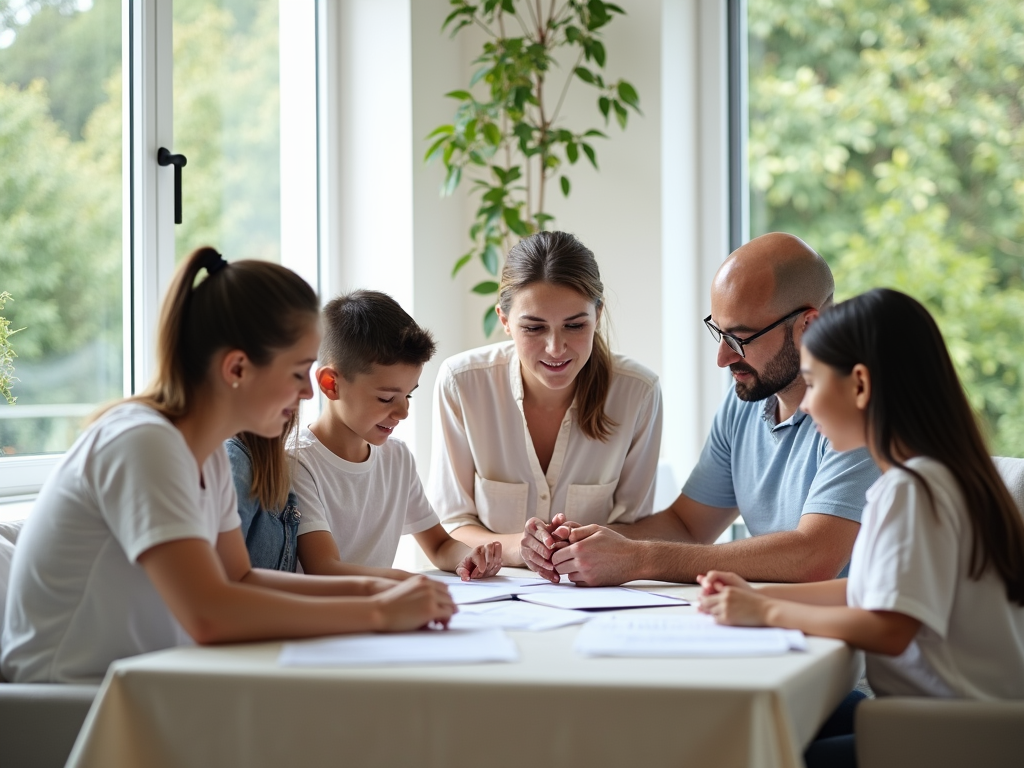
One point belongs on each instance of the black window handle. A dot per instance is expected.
(164, 157)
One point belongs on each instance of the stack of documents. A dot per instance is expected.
(540, 592)
(593, 598)
(451, 646)
(647, 635)
(515, 614)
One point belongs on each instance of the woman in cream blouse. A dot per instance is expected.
(550, 426)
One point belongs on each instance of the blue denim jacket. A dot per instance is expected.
(269, 536)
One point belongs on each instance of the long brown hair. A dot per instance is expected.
(255, 306)
(919, 407)
(271, 466)
(558, 258)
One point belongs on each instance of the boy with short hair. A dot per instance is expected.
(359, 491)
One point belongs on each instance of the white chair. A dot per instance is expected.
(39, 723)
(896, 732)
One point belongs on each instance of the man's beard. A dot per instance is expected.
(778, 374)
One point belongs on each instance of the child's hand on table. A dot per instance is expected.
(483, 561)
(731, 600)
(413, 604)
(714, 581)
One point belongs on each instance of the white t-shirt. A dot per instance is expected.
(913, 560)
(484, 469)
(367, 506)
(78, 598)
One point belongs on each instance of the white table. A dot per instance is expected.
(232, 705)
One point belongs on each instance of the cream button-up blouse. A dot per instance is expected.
(484, 469)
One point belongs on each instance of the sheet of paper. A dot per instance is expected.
(515, 614)
(452, 646)
(594, 598)
(493, 581)
(646, 635)
(467, 593)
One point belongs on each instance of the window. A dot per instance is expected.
(890, 136)
(89, 90)
(60, 216)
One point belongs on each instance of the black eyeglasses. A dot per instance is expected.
(735, 342)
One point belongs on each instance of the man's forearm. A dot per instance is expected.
(661, 526)
(789, 556)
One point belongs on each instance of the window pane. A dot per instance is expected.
(60, 215)
(890, 136)
(227, 123)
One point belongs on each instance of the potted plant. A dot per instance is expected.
(511, 141)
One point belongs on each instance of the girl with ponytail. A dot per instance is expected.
(936, 588)
(134, 542)
(550, 426)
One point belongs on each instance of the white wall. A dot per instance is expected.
(654, 215)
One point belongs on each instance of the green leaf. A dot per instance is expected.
(513, 174)
(565, 186)
(470, 131)
(572, 151)
(447, 130)
(591, 154)
(604, 105)
(593, 132)
(614, 8)
(620, 113)
(492, 134)
(491, 257)
(628, 94)
(435, 149)
(597, 51)
(490, 321)
(508, 6)
(517, 225)
(572, 34)
(479, 75)
(460, 95)
(542, 219)
(463, 261)
(485, 287)
(451, 180)
(585, 75)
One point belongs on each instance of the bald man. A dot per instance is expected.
(764, 460)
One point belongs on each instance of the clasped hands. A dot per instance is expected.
(589, 555)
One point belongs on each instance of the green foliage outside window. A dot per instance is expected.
(890, 136)
(61, 188)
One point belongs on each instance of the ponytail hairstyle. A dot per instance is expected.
(558, 258)
(255, 306)
(919, 407)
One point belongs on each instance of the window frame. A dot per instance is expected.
(148, 244)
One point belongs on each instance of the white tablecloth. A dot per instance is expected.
(234, 706)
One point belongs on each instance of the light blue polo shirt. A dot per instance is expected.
(775, 473)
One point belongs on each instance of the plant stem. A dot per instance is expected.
(565, 88)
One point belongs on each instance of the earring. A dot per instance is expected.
(234, 385)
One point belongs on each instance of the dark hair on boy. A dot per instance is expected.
(367, 328)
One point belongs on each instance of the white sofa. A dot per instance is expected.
(39, 723)
(898, 732)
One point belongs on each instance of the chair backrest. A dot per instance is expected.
(1012, 472)
(896, 732)
(9, 529)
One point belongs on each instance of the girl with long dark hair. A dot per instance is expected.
(936, 588)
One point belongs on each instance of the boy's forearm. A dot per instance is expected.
(448, 554)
